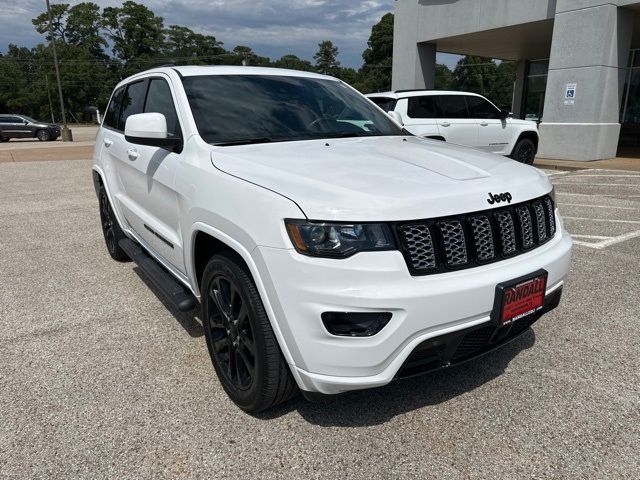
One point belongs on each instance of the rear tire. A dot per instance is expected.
(243, 348)
(524, 151)
(43, 135)
(110, 228)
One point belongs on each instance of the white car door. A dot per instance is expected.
(418, 115)
(145, 174)
(494, 133)
(454, 122)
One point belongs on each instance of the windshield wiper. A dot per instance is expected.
(245, 141)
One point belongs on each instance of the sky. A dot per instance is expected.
(271, 27)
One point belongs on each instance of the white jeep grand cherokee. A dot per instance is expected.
(329, 249)
(463, 118)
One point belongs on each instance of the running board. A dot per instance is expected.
(175, 292)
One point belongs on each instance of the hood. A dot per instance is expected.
(381, 178)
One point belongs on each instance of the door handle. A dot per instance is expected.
(107, 142)
(132, 154)
(484, 124)
(445, 124)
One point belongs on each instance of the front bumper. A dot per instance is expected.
(301, 288)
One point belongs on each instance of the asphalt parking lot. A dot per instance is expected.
(98, 379)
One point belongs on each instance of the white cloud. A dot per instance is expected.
(270, 27)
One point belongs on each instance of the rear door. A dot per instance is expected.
(419, 115)
(454, 121)
(494, 134)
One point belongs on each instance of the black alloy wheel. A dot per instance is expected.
(231, 332)
(524, 151)
(110, 228)
(243, 348)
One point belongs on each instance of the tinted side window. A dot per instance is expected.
(385, 103)
(421, 107)
(132, 102)
(113, 110)
(480, 108)
(5, 120)
(159, 100)
(453, 106)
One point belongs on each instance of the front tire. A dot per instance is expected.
(110, 228)
(43, 135)
(243, 348)
(524, 151)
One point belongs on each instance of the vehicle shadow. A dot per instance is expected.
(379, 405)
(187, 320)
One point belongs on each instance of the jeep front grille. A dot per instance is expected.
(464, 241)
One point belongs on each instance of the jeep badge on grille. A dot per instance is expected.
(499, 197)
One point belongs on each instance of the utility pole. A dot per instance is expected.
(66, 133)
(46, 79)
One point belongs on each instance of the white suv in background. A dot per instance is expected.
(463, 118)
(328, 249)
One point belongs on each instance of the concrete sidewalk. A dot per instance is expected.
(617, 163)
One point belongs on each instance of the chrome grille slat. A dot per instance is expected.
(453, 242)
(540, 221)
(506, 232)
(464, 241)
(551, 217)
(526, 227)
(483, 237)
(420, 245)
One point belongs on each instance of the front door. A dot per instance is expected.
(146, 174)
(494, 133)
(454, 122)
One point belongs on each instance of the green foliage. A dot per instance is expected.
(326, 58)
(135, 30)
(139, 40)
(294, 63)
(375, 75)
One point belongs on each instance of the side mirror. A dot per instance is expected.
(150, 129)
(504, 114)
(395, 116)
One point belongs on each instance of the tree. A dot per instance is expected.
(444, 78)
(182, 42)
(475, 74)
(83, 28)
(375, 74)
(294, 63)
(325, 57)
(135, 30)
(58, 14)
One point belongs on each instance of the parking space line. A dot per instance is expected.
(600, 184)
(593, 237)
(608, 220)
(595, 206)
(609, 242)
(597, 195)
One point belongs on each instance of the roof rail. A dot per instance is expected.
(414, 90)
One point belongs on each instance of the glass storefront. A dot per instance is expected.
(630, 110)
(535, 87)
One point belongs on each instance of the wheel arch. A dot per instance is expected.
(531, 135)
(207, 241)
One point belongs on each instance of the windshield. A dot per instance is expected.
(237, 109)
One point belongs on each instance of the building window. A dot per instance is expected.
(535, 88)
(630, 109)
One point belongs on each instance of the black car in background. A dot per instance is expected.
(21, 126)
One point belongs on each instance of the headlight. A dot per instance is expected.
(339, 240)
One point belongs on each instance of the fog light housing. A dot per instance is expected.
(355, 324)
